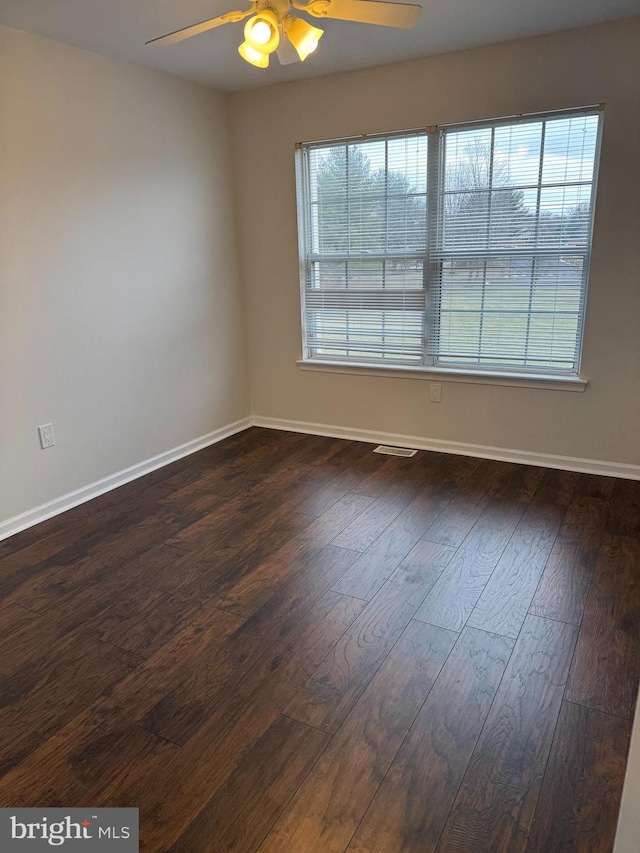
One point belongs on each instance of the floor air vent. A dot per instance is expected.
(394, 451)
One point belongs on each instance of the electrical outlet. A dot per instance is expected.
(435, 392)
(47, 438)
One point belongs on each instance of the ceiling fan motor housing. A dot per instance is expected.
(281, 8)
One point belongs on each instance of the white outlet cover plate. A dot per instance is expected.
(47, 438)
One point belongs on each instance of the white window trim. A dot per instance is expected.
(549, 382)
(574, 382)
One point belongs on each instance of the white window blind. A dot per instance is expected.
(364, 235)
(466, 246)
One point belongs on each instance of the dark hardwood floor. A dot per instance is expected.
(290, 644)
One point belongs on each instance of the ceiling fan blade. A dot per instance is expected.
(196, 29)
(402, 15)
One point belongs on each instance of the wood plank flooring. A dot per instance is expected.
(289, 644)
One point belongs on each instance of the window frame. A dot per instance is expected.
(430, 367)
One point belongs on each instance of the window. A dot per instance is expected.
(464, 247)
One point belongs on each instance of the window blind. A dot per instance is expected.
(364, 240)
(515, 204)
(464, 246)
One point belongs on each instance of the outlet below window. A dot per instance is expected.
(435, 392)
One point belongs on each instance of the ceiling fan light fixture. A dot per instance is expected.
(261, 31)
(267, 22)
(253, 56)
(303, 36)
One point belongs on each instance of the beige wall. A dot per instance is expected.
(628, 833)
(120, 318)
(120, 312)
(593, 65)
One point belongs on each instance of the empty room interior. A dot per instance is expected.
(320, 426)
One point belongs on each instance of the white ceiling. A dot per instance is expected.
(119, 28)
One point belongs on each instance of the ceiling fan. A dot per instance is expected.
(273, 27)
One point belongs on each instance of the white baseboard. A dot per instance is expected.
(523, 457)
(86, 493)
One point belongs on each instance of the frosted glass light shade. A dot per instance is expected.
(261, 31)
(253, 56)
(303, 36)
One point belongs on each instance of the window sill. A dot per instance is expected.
(549, 382)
